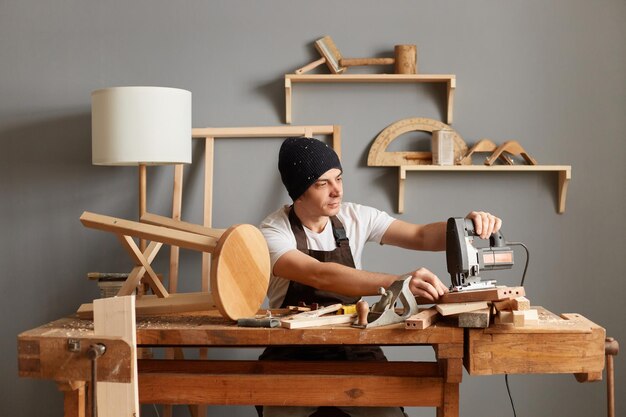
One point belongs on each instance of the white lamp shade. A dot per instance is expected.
(140, 125)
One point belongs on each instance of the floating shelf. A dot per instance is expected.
(449, 79)
(564, 171)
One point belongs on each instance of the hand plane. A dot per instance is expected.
(383, 312)
(466, 261)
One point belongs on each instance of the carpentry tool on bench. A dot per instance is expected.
(383, 312)
(404, 60)
(466, 261)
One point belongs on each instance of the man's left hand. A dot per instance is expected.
(485, 224)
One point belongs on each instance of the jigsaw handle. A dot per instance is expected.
(496, 240)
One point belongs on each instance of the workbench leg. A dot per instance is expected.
(450, 407)
(74, 404)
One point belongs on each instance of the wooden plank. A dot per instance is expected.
(422, 320)
(315, 313)
(152, 305)
(369, 78)
(457, 308)
(475, 319)
(147, 231)
(260, 131)
(207, 206)
(489, 294)
(177, 205)
(116, 317)
(321, 390)
(318, 321)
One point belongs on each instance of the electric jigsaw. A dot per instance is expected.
(465, 261)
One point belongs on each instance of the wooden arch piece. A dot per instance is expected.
(378, 156)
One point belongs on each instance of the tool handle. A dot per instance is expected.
(312, 65)
(254, 322)
(355, 62)
(495, 240)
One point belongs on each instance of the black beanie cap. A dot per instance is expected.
(301, 161)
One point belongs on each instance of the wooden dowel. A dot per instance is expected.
(156, 220)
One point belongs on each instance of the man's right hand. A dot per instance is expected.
(426, 285)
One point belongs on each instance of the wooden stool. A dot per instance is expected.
(240, 265)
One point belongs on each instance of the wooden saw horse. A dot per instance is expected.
(240, 265)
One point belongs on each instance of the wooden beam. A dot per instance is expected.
(152, 305)
(147, 231)
(116, 317)
(252, 382)
(489, 294)
(156, 220)
(422, 320)
(457, 308)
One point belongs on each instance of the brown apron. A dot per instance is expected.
(298, 292)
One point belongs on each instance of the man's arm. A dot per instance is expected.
(432, 237)
(330, 276)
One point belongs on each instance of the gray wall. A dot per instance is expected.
(546, 73)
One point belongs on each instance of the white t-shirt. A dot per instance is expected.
(362, 224)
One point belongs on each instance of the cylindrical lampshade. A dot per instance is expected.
(140, 125)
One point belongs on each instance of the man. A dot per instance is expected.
(316, 246)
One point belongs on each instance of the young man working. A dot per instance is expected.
(316, 246)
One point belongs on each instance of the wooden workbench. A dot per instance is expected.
(571, 344)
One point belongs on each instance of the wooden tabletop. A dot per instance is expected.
(210, 329)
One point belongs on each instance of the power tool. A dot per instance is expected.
(466, 261)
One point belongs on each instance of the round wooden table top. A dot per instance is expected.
(240, 272)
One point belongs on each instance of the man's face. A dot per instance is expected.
(323, 197)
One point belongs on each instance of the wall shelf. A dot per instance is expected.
(564, 171)
(291, 79)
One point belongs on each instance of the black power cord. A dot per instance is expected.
(527, 258)
(506, 376)
(508, 390)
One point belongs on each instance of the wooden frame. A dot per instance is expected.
(210, 134)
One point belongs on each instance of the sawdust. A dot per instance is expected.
(177, 321)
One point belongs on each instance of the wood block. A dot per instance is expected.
(475, 319)
(518, 318)
(503, 305)
(521, 303)
(456, 308)
(531, 316)
(504, 317)
(422, 320)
